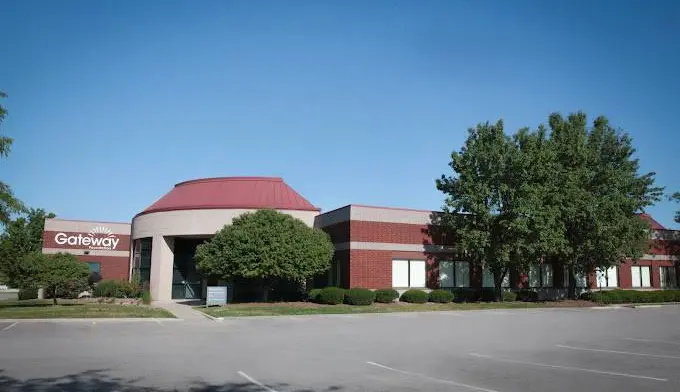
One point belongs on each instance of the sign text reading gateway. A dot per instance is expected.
(98, 238)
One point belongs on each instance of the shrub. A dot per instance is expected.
(146, 297)
(509, 296)
(414, 296)
(527, 295)
(94, 277)
(28, 293)
(313, 295)
(117, 289)
(359, 296)
(631, 296)
(465, 295)
(331, 296)
(386, 296)
(440, 296)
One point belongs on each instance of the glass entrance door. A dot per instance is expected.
(187, 283)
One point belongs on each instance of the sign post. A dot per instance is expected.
(217, 295)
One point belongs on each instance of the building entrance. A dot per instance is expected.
(187, 282)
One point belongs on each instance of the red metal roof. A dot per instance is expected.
(652, 222)
(231, 192)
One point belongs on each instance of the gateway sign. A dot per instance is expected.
(99, 238)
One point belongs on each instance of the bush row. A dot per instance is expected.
(360, 296)
(631, 296)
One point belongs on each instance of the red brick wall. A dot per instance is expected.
(112, 267)
(625, 274)
(394, 233)
(339, 232)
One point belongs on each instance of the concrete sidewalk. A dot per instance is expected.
(181, 311)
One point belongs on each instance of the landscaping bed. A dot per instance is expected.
(302, 308)
(38, 309)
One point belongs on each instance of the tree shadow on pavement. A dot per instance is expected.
(99, 380)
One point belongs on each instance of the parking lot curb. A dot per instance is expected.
(212, 318)
(90, 320)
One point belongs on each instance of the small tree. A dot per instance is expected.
(57, 273)
(22, 235)
(266, 245)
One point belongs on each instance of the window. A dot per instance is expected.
(142, 259)
(94, 266)
(668, 277)
(580, 278)
(640, 276)
(487, 279)
(454, 274)
(607, 278)
(541, 275)
(408, 273)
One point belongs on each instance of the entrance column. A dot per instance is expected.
(162, 260)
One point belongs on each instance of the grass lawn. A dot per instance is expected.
(38, 309)
(299, 308)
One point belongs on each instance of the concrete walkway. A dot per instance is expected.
(181, 311)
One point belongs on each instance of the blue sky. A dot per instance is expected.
(113, 102)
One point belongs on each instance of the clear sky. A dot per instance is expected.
(113, 102)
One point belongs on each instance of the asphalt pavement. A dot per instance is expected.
(618, 349)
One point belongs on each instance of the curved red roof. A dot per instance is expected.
(231, 192)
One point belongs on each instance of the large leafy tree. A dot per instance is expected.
(266, 246)
(494, 199)
(56, 273)
(8, 203)
(22, 236)
(601, 195)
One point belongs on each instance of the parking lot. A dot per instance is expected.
(505, 350)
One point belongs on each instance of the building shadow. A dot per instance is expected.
(100, 380)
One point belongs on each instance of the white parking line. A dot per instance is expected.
(158, 321)
(475, 388)
(254, 381)
(597, 350)
(9, 327)
(653, 341)
(568, 368)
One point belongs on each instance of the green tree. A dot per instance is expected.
(676, 197)
(601, 194)
(494, 199)
(57, 273)
(266, 246)
(8, 203)
(22, 236)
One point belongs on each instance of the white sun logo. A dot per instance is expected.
(101, 231)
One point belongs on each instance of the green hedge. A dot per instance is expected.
(441, 296)
(331, 296)
(28, 293)
(527, 295)
(631, 296)
(386, 296)
(117, 289)
(358, 296)
(313, 295)
(509, 296)
(414, 296)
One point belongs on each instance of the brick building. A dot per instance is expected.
(379, 247)
(105, 246)
(376, 247)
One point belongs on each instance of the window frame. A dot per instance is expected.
(641, 276)
(456, 284)
(666, 272)
(540, 270)
(409, 274)
(605, 274)
(486, 272)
